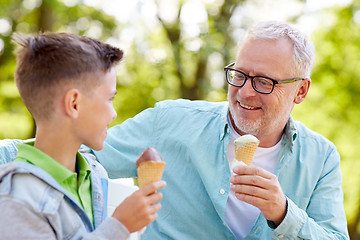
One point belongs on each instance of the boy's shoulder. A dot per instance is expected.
(23, 188)
(15, 179)
(95, 166)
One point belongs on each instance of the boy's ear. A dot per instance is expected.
(302, 91)
(71, 102)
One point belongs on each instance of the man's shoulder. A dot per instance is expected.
(199, 105)
(8, 150)
(309, 136)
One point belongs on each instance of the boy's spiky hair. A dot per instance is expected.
(48, 61)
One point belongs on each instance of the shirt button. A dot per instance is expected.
(228, 130)
(222, 191)
(281, 236)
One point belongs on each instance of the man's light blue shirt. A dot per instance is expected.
(192, 138)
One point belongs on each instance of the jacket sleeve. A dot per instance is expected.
(18, 221)
(324, 217)
(109, 229)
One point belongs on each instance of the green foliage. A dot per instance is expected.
(24, 19)
(161, 62)
(331, 107)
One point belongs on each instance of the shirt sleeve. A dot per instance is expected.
(125, 142)
(8, 150)
(324, 217)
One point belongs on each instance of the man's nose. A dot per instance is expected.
(247, 90)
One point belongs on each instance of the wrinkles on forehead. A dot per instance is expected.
(264, 57)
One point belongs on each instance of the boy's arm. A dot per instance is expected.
(133, 214)
(18, 221)
(139, 209)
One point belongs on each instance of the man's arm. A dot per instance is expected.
(8, 150)
(324, 216)
(125, 142)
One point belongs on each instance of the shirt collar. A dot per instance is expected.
(28, 153)
(225, 128)
(290, 129)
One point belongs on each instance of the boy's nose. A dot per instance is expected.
(114, 114)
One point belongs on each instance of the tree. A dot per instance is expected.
(31, 17)
(331, 107)
(166, 59)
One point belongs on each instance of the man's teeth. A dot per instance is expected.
(247, 107)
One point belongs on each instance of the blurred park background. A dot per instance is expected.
(178, 48)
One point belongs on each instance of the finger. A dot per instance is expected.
(252, 170)
(155, 197)
(251, 191)
(255, 201)
(251, 180)
(155, 207)
(152, 187)
(153, 217)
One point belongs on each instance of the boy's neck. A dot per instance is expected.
(58, 145)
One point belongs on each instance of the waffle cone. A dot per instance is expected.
(245, 148)
(150, 171)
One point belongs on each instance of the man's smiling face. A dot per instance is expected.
(263, 114)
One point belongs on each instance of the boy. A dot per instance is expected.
(52, 191)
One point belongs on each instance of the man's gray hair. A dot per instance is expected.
(303, 49)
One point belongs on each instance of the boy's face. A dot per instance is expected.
(97, 111)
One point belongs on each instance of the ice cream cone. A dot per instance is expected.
(245, 147)
(150, 167)
(150, 171)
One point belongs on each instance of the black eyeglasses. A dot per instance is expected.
(260, 84)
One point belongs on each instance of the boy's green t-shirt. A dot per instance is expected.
(78, 185)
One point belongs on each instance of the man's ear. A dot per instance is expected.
(302, 91)
(71, 102)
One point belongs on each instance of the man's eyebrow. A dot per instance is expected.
(257, 74)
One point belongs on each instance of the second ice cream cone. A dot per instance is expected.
(245, 148)
(150, 171)
(150, 167)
